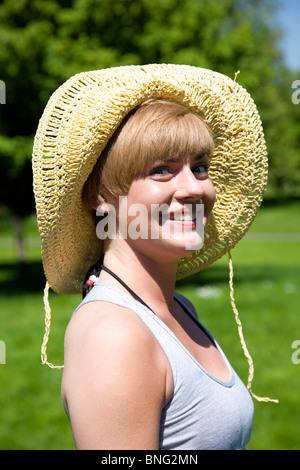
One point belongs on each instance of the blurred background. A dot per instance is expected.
(41, 45)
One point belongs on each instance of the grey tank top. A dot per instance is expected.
(203, 413)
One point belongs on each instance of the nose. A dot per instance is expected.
(188, 187)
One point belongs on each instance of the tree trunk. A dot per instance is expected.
(17, 223)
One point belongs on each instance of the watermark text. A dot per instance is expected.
(2, 92)
(296, 354)
(2, 353)
(296, 93)
(159, 221)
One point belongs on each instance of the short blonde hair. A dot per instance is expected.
(155, 130)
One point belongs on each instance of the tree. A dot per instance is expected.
(44, 43)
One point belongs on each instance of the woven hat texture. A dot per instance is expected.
(76, 125)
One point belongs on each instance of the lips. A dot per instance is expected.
(182, 213)
(187, 213)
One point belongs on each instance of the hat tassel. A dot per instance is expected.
(243, 343)
(237, 319)
(47, 329)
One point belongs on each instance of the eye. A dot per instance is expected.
(161, 173)
(201, 169)
(160, 170)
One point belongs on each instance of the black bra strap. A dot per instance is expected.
(180, 302)
(125, 285)
(95, 270)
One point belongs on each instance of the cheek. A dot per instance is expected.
(211, 193)
(147, 193)
(210, 197)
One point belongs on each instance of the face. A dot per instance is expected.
(166, 209)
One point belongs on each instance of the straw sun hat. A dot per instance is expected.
(78, 122)
(76, 125)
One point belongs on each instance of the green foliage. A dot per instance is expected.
(44, 43)
(281, 118)
(15, 174)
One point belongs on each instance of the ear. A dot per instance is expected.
(99, 204)
(95, 205)
(103, 208)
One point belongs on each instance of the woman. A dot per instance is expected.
(140, 371)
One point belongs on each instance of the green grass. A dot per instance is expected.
(266, 282)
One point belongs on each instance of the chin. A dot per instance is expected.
(183, 248)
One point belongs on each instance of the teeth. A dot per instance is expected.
(185, 217)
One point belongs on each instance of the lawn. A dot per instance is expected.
(266, 282)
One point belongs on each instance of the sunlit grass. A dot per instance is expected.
(267, 294)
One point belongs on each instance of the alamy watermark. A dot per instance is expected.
(2, 92)
(296, 354)
(296, 93)
(2, 353)
(159, 221)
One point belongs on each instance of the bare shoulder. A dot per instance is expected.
(104, 326)
(103, 333)
(114, 378)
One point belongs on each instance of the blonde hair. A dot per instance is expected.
(155, 130)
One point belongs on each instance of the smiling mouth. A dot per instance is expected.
(188, 213)
(183, 217)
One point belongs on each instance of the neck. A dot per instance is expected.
(151, 280)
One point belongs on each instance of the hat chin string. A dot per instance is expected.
(243, 343)
(47, 329)
(237, 319)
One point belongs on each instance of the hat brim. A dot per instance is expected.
(79, 120)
